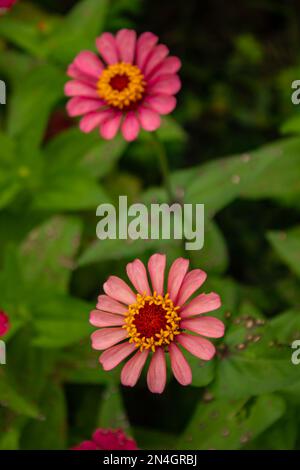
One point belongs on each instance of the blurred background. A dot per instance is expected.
(233, 143)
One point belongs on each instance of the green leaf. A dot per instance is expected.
(112, 414)
(13, 398)
(287, 246)
(78, 30)
(47, 253)
(70, 192)
(97, 157)
(10, 439)
(34, 96)
(9, 181)
(60, 321)
(230, 425)
(50, 431)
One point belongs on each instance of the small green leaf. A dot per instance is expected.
(287, 246)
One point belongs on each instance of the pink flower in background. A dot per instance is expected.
(154, 320)
(107, 439)
(132, 84)
(4, 323)
(6, 5)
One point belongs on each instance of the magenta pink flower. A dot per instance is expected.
(4, 323)
(107, 439)
(6, 5)
(133, 84)
(155, 321)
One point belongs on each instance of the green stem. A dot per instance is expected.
(164, 166)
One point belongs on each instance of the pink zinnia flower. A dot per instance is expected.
(155, 320)
(133, 84)
(6, 5)
(107, 439)
(4, 323)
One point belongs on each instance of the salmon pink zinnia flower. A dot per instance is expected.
(155, 320)
(107, 439)
(132, 84)
(4, 323)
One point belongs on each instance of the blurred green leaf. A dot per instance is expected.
(287, 246)
(112, 414)
(50, 431)
(47, 253)
(230, 425)
(12, 397)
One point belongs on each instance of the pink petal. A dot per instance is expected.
(78, 106)
(132, 369)
(113, 356)
(109, 128)
(199, 347)
(108, 304)
(192, 281)
(201, 304)
(77, 88)
(158, 54)
(119, 290)
(177, 273)
(126, 39)
(137, 274)
(164, 84)
(102, 319)
(157, 373)
(207, 326)
(144, 46)
(74, 72)
(162, 104)
(107, 337)
(92, 120)
(150, 120)
(106, 45)
(156, 268)
(169, 66)
(89, 63)
(180, 366)
(130, 127)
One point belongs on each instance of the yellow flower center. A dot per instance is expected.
(121, 85)
(152, 321)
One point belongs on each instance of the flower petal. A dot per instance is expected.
(158, 54)
(130, 127)
(144, 46)
(164, 84)
(192, 281)
(78, 88)
(156, 268)
(137, 274)
(74, 72)
(169, 66)
(201, 304)
(113, 356)
(77, 106)
(108, 304)
(180, 366)
(199, 347)
(119, 290)
(126, 40)
(207, 326)
(106, 45)
(162, 104)
(157, 373)
(132, 369)
(107, 337)
(109, 128)
(92, 120)
(150, 120)
(102, 319)
(177, 273)
(89, 63)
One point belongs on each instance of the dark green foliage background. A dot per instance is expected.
(233, 143)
